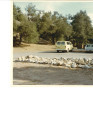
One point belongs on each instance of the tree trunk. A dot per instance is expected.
(20, 40)
(53, 39)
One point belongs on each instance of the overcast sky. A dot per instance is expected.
(63, 8)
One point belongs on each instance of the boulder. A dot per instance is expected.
(91, 62)
(22, 58)
(86, 66)
(19, 59)
(80, 61)
(69, 62)
(60, 62)
(68, 65)
(73, 65)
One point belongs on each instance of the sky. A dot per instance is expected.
(63, 8)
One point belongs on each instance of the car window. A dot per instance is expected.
(62, 43)
(58, 43)
(68, 43)
(88, 45)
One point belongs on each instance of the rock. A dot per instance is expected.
(22, 58)
(29, 60)
(64, 60)
(86, 60)
(80, 66)
(60, 62)
(73, 60)
(19, 59)
(49, 61)
(73, 65)
(69, 62)
(80, 61)
(60, 58)
(91, 62)
(86, 66)
(53, 62)
(64, 64)
(44, 60)
(29, 56)
(32, 60)
(36, 57)
(68, 65)
(16, 60)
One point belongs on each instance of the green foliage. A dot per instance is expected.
(14, 26)
(28, 32)
(82, 27)
(31, 12)
(26, 29)
(54, 27)
(61, 38)
(37, 24)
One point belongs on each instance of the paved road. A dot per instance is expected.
(53, 54)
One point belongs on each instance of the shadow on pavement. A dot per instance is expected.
(66, 52)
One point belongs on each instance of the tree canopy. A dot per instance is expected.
(82, 28)
(37, 25)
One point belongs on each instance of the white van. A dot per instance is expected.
(89, 48)
(64, 46)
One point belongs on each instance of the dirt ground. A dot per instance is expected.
(39, 74)
(33, 48)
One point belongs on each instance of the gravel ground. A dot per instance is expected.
(53, 54)
(48, 51)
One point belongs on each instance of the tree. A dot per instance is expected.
(81, 28)
(53, 27)
(64, 29)
(28, 32)
(31, 12)
(26, 29)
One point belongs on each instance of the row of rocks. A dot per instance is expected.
(69, 62)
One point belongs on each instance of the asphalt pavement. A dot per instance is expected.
(54, 54)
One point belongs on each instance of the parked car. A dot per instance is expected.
(64, 46)
(89, 48)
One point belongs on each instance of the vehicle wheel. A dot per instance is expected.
(57, 51)
(68, 50)
(72, 50)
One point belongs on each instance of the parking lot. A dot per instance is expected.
(38, 74)
(54, 54)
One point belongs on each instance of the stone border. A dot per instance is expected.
(69, 62)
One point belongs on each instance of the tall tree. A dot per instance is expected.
(82, 28)
(31, 12)
(54, 27)
(26, 29)
(28, 32)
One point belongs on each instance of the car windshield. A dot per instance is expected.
(60, 43)
(89, 45)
